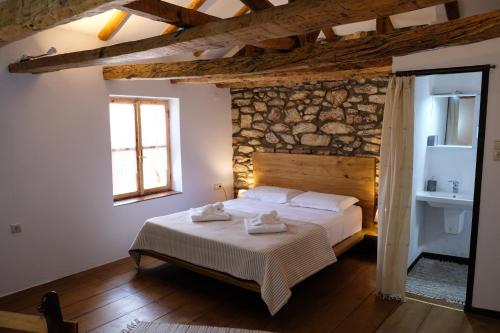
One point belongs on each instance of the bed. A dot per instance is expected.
(271, 264)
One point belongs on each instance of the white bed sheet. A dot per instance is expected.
(339, 226)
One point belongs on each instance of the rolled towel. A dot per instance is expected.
(267, 218)
(212, 212)
(264, 228)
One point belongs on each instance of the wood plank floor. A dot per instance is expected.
(338, 299)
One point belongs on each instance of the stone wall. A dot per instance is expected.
(332, 118)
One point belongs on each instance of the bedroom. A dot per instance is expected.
(57, 171)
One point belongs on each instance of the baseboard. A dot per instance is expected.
(440, 257)
(483, 312)
(445, 257)
(414, 262)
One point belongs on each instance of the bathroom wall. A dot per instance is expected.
(423, 103)
(442, 163)
(451, 163)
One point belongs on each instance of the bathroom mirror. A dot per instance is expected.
(456, 119)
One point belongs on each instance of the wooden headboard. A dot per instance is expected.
(353, 176)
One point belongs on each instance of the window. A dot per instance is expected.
(140, 147)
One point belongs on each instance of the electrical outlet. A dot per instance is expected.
(15, 228)
(217, 187)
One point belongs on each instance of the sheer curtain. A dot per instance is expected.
(395, 188)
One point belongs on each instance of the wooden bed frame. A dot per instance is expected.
(353, 176)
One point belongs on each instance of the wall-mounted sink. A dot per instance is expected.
(446, 200)
(455, 205)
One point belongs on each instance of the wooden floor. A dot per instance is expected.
(338, 299)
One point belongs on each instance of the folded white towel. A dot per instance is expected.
(268, 218)
(212, 212)
(265, 223)
(264, 228)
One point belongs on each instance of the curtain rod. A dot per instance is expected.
(452, 70)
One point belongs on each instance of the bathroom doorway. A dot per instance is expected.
(450, 113)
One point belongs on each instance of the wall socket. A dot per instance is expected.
(15, 228)
(217, 187)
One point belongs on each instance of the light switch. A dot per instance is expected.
(496, 153)
(496, 156)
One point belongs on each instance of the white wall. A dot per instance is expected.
(55, 164)
(423, 108)
(451, 163)
(486, 287)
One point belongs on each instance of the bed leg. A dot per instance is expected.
(138, 263)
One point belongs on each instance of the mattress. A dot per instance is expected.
(339, 226)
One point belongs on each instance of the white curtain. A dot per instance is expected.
(395, 188)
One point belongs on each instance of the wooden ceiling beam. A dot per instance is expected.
(20, 19)
(378, 66)
(344, 54)
(156, 10)
(330, 35)
(299, 17)
(258, 4)
(113, 25)
(384, 25)
(194, 5)
(169, 13)
(452, 10)
(302, 77)
(242, 11)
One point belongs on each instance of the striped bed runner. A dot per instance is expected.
(145, 327)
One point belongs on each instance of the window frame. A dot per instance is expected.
(139, 148)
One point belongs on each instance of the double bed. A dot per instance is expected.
(270, 264)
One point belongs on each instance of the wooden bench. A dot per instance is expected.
(50, 320)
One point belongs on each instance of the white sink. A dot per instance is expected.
(446, 200)
(455, 206)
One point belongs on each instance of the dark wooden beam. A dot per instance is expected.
(343, 55)
(302, 16)
(384, 25)
(20, 19)
(452, 10)
(330, 35)
(377, 67)
(169, 13)
(194, 5)
(242, 11)
(294, 78)
(258, 4)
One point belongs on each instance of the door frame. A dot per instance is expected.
(485, 79)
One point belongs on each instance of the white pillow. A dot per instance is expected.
(272, 194)
(333, 202)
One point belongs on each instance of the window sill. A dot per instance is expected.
(127, 201)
